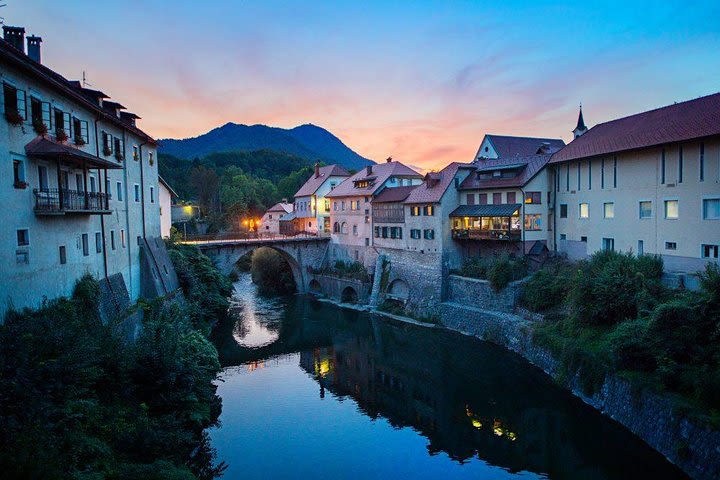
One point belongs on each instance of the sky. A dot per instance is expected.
(419, 81)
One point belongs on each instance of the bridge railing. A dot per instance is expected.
(248, 236)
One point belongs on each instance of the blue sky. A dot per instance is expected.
(421, 81)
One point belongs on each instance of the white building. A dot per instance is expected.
(165, 202)
(312, 208)
(270, 221)
(84, 189)
(647, 183)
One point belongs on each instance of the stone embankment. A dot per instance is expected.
(651, 416)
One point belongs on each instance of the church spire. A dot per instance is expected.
(580, 128)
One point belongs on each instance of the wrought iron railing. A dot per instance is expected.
(478, 234)
(247, 236)
(59, 200)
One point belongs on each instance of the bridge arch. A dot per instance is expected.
(349, 295)
(398, 290)
(315, 287)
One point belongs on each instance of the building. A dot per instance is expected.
(646, 183)
(312, 208)
(165, 196)
(351, 215)
(84, 195)
(504, 146)
(270, 221)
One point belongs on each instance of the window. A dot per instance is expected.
(85, 245)
(14, 101)
(583, 239)
(662, 166)
(510, 197)
(584, 210)
(136, 153)
(563, 210)
(533, 197)
(36, 114)
(63, 255)
(429, 234)
(482, 199)
(327, 205)
(119, 191)
(563, 236)
(497, 198)
(336, 227)
(122, 238)
(579, 173)
(98, 242)
(23, 238)
(354, 229)
(567, 177)
(646, 209)
(112, 239)
(152, 194)
(614, 172)
(429, 210)
(107, 144)
(602, 173)
(470, 199)
(671, 209)
(709, 251)
(150, 158)
(608, 244)
(342, 205)
(415, 233)
(136, 189)
(415, 210)
(377, 232)
(533, 222)
(641, 247)
(343, 228)
(139, 240)
(384, 232)
(680, 164)
(609, 210)
(367, 242)
(42, 177)
(18, 174)
(589, 175)
(93, 189)
(711, 208)
(670, 245)
(119, 148)
(702, 162)
(80, 131)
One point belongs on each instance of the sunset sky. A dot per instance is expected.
(421, 81)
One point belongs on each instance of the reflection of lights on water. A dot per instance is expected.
(257, 318)
(322, 367)
(497, 425)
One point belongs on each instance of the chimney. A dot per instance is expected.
(15, 36)
(284, 200)
(389, 159)
(317, 169)
(33, 47)
(368, 170)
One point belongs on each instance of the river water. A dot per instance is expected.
(310, 390)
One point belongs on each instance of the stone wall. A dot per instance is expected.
(333, 287)
(422, 272)
(649, 415)
(158, 277)
(478, 293)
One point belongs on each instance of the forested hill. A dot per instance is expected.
(308, 142)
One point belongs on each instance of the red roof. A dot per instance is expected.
(508, 146)
(281, 207)
(675, 123)
(376, 178)
(395, 194)
(313, 183)
(432, 192)
(530, 165)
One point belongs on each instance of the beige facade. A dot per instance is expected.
(627, 203)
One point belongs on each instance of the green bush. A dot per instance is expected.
(499, 270)
(547, 288)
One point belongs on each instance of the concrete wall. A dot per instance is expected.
(165, 205)
(639, 179)
(26, 284)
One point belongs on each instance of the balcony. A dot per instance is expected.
(511, 235)
(62, 201)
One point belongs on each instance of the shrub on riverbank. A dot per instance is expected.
(668, 340)
(499, 270)
(271, 273)
(77, 401)
(349, 269)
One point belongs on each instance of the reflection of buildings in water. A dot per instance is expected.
(258, 320)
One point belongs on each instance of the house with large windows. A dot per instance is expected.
(647, 183)
(312, 207)
(81, 185)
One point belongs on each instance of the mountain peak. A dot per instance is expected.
(307, 141)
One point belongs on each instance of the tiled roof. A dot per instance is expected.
(313, 183)
(502, 210)
(380, 173)
(395, 194)
(507, 146)
(432, 192)
(70, 88)
(675, 123)
(532, 165)
(44, 147)
(281, 207)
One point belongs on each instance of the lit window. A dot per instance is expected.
(711, 209)
(533, 222)
(671, 209)
(646, 209)
(584, 210)
(609, 210)
(533, 197)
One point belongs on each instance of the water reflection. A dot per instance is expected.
(256, 319)
(340, 394)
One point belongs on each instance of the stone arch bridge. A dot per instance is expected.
(302, 253)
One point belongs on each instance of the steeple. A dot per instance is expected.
(580, 128)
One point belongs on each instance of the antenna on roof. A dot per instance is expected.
(85, 83)
(2, 19)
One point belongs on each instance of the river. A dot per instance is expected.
(310, 390)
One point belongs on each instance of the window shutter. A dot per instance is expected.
(67, 123)
(46, 117)
(84, 131)
(22, 103)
